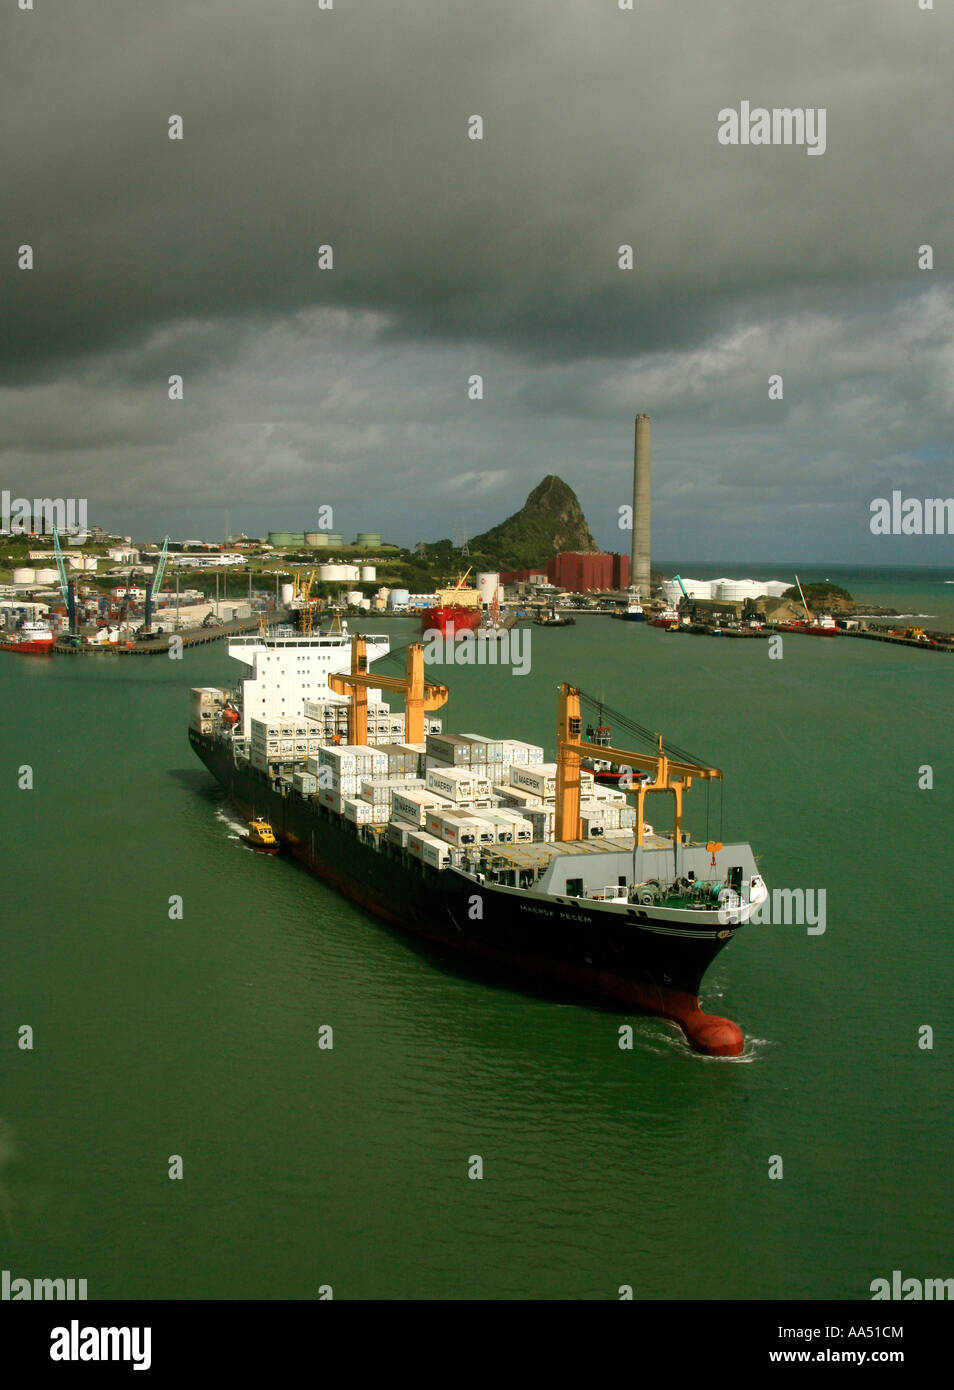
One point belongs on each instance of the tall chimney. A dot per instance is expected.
(639, 574)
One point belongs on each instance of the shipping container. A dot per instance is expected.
(429, 849)
(458, 828)
(413, 806)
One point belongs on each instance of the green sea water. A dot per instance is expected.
(348, 1167)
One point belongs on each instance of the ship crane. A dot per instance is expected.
(670, 774)
(419, 695)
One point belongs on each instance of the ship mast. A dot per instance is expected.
(419, 695)
(670, 774)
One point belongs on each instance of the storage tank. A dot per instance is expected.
(736, 590)
(24, 575)
(488, 584)
(286, 538)
(287, 592)
(47, 576)
(695, 588)
(368, 538)
(365, 603)
(399, 598)
(334, 540)
(334, 574)
(369, 574)
(316, 539)
(383, 592)
(354, 597)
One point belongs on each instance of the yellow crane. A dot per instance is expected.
(670, 775)
(419, 695)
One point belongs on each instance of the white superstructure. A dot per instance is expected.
(287, 671)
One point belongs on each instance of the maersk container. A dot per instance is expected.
(356, 810)
(592, 827)
(502, 829)
(414, 806)
(492, 747)
(456, 828)
(516, 796)
(522, 831)
(429, 849)
(398, 833)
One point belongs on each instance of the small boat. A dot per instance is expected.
(261, 837)
(667, 619)
(610, 774)
(548, 617)
(633, 612)
(33, 638)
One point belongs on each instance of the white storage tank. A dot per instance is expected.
(364, 603)
(24, 575)
(287, 592)
(399, 598)
(488, 584)
(369, 574)
(383, 592)
(47, 576)
(354, 597)
(695, 588)
(736, 590)
(337, 574)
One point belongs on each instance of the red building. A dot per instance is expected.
(577, 571)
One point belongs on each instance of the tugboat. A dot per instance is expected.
(610, 774)
(548, 617)
(633, 612)
(668, 619)
(261, 837)
(33, 638)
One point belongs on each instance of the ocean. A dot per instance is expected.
(158, 1039)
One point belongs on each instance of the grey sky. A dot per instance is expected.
(455, 256)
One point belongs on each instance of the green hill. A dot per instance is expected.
(549, 521)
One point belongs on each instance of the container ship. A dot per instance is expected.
(458, 610)
(473, 841)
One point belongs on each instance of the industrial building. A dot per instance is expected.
(579, 571)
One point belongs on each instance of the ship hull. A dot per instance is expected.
(630, 958)
(450, 620)
(28, 648)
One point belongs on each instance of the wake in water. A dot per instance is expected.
(237, 829)
(652, 1039)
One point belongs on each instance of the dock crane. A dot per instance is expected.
(419, 695)
(670, 774)
(153, 588)
(67, 588)
(808, 613)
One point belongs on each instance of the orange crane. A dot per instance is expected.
(670, 775)
(419, 695)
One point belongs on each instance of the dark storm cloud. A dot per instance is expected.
(348, 127)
